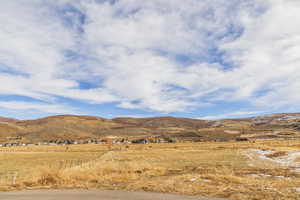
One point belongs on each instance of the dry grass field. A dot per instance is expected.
(237, 170)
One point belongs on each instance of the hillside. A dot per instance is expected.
(88, 127)
(6, 119)
(64, 127)
(164, 122)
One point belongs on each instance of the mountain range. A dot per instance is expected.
(72, 127)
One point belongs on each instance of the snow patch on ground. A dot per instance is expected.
(297, 189)
(266, 175)
(288, 160)
(200, 179)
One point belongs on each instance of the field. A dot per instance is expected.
(237, 170)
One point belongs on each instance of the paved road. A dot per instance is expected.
(92, 195)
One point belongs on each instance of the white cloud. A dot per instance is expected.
(134, 52)
(268, 56)
(30, 106)
(34, 41)
(136, 45)
(231, 115)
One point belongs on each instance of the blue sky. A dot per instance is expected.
(209, 59)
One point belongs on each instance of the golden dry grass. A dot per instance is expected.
(207, 169)
(277, 154)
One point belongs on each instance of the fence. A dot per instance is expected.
(12, 177)
(9, 178)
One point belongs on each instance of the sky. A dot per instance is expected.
(208, 59)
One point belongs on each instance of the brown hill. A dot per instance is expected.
(64, 127)
(88, 127)
(165, 122)
(5, 119)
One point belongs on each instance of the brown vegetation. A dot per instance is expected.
(208, 169)
(277, 154)
(6, 119)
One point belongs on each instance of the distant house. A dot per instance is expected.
(108, 141)
(15, 144)
(171, 140)
(124, 141)
(93, 141)
(68, 142)
(6, 145)
(140, 141)
(42, 143)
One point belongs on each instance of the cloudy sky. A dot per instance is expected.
(194, 58)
